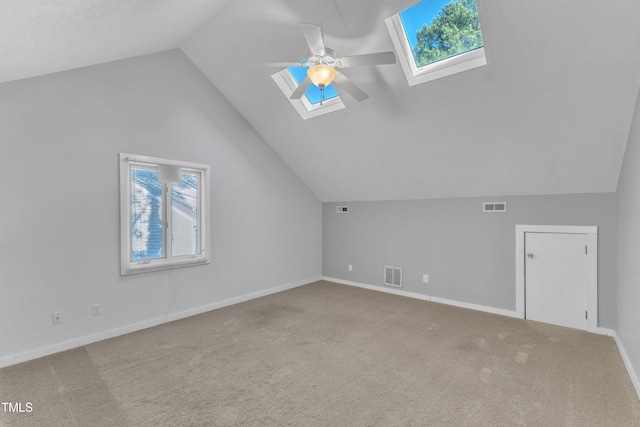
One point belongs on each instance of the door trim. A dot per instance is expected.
(591, 263)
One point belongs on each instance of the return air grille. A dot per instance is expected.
(393, 276)
(494, 207)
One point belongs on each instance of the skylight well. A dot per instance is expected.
(309, 83)
(314, 102)
(437, 38)
(314, 94)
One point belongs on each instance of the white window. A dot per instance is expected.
(308, 106)
(163, 213)
(435, 39)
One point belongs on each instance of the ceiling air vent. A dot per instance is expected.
(342, 209)
(494, 207)
(393, 276)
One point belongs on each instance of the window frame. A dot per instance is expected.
(167, 261)
(446, 67)
(287, 84)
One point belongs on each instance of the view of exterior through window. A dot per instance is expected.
(147, 237)
(440, 29)
(184, 216)
(163, 217)
(313, 94)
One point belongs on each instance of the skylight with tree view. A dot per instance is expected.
(440, 29)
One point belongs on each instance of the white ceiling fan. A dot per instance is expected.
(324, 63)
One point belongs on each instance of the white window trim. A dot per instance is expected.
(306, 109)
(134, 267)
(446, 67)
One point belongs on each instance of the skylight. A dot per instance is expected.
(313, 94)
(437, 38)
(309, 105)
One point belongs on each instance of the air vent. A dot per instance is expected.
(342, 209)
(393, 276)
(494, 207)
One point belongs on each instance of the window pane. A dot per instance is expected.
(184, 216)
(440, 29)
(313, 94)
(146, 214)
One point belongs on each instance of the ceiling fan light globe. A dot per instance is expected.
(322, 75)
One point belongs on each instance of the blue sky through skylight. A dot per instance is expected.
(313, 94)
(441, 29)
(416, 16)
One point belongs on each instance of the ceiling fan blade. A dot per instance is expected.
(301, 89)
(341, 82)
(282, 64)
(313, 35)
(369, 59)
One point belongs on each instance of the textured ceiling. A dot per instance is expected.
(549, 113)
(44, 36)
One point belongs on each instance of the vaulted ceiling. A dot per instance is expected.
(549, 113)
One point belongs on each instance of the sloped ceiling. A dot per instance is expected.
(549, 113)
(43, 36)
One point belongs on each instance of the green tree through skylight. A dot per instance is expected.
(454, 30)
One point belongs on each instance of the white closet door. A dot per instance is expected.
(555, 279)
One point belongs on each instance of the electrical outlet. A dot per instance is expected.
(425, 278)
(291, 269)
(350, 267)
(57, 317)
(95, 310)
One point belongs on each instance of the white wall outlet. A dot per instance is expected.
(291, 269)
(425, 278)
(350, 267)
(57, 317)
(95, 310)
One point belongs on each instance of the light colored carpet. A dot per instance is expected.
(331, 355)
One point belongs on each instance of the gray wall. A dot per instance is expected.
(469, 255)
(628, 327)
(61, 135)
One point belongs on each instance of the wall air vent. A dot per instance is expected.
(393, 276)
(342, 209)
(494, 207)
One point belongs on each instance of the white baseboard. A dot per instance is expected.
(484, 308)
(79, 342)
(500, 311)
(604, 331)
(378, 288)
(238, 300)
(627, 363)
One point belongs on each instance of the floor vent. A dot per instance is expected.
(393, 276)
(494, 207)
(342, 209)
